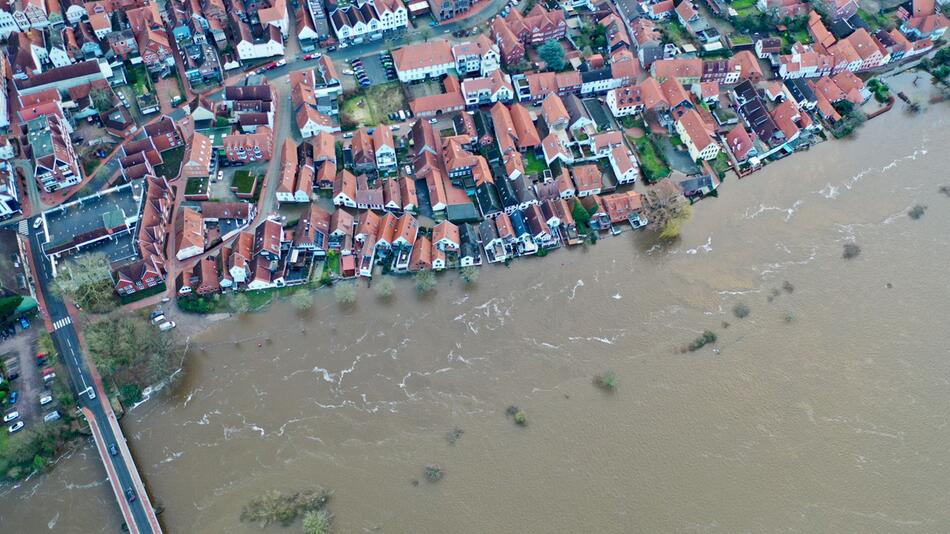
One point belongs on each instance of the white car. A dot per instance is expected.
(15, 427)
(394, 127)
(220, 175)
(37, 223)
(433, 120)
(348, 72)
(46, 399)
(10, 416)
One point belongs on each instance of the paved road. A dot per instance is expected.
(66, 338)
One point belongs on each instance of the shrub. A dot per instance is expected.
(434, 473)
(276, 507)
(741, 311)
(606, 381)
(425, 281)
(345, 293)
(706, 338)
(454, 435)
(917, 212)
(316, 522)
(516, 413)
(851, 250)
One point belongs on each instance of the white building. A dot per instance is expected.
(480, 56)
(268, 45)
(423, 60)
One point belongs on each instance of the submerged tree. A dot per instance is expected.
(302, 300)
(345, 293)
(385, 287)
(425, 281)
(469, 274)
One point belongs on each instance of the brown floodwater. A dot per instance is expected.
(824, 410)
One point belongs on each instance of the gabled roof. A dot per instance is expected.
(553, 110)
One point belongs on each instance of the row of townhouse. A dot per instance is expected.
(861, 50)
(148, 269)
(515, 32)
(367, 19)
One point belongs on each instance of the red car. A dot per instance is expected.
(315, 55)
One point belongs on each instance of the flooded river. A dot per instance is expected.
(825, 410)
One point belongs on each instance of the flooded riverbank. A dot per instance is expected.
(824, 409)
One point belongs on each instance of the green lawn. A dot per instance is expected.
(196, 186)
(721, 165)
(533, 164)
(138, 79)
(171, 162)
(651, 163)
(371, 106)
(675, 32)
(243, 182)
(740, 5)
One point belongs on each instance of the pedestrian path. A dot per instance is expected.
(24, 228)
(65, 321)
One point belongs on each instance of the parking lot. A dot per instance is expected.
(18, 354)
(375, 69)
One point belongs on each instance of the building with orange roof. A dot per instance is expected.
(625, 207)
(198, 162)
(407, 193)
(288, 172)
(587, 179)
(190, 234)
(525, 131)
(505, 134)
(684, 70)
(740, 144)
(423, 60)
(421, 257)
(696, 136)
(445, 236)
(368, 226)
(344, 189)
(407, 229)
(257, 146)
(312, 233)
(554, 113)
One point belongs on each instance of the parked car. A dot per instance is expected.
(52, 416)
(46, 399)
(13, 397)
(15, 427)
(348, 72)
(37, 223)
(11, 416)
(433, 120)
(24, 323)
(155, 314)
(166, 326)
(315, 55)
(220, 175)
(280, 63)
(47, 378)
